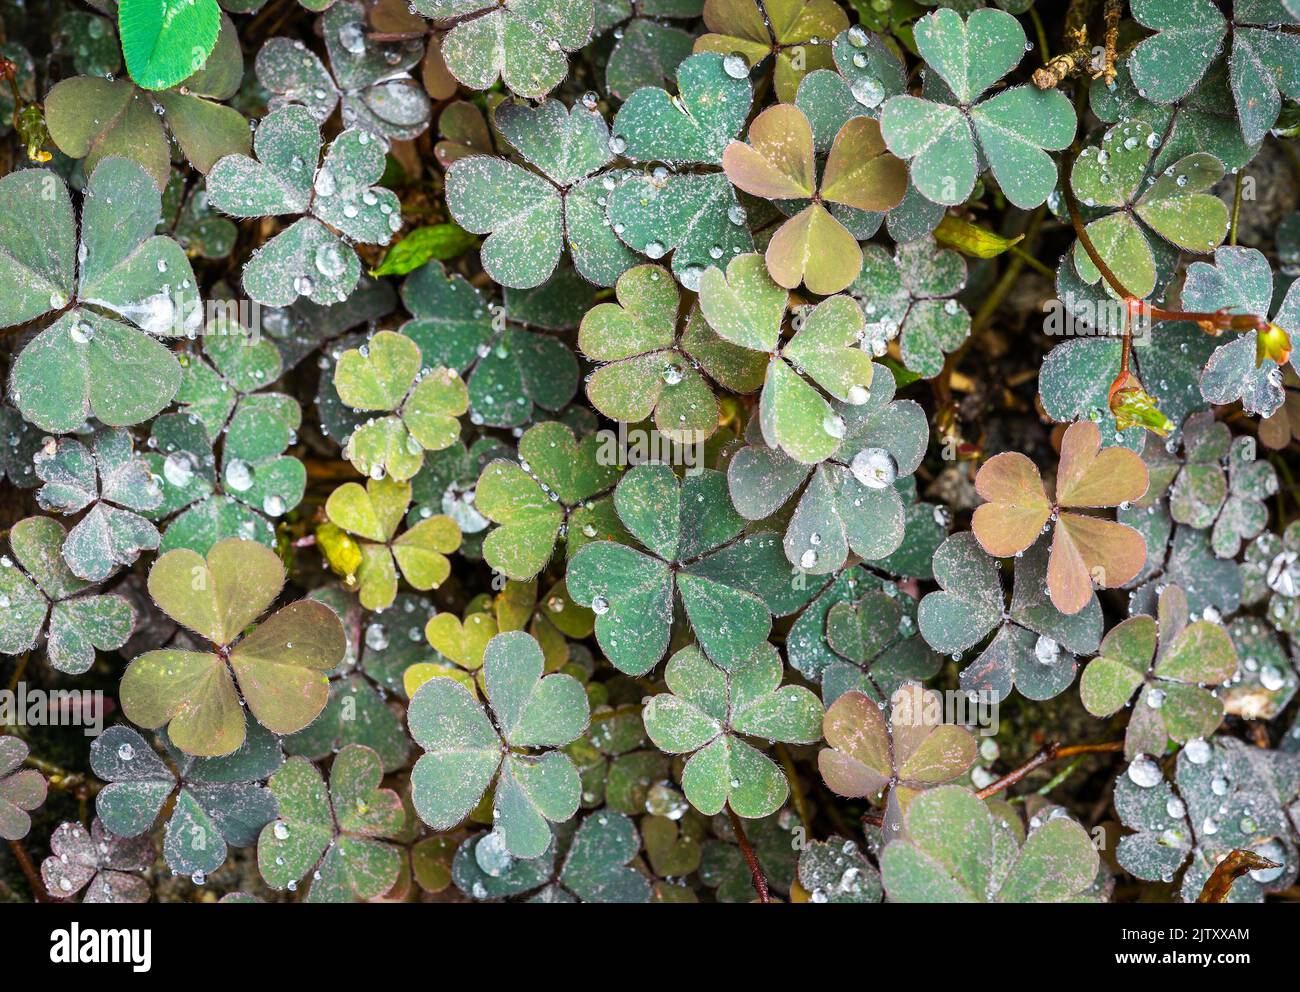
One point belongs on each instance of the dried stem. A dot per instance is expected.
(1113, 10)
(755, 869)
(1045, 754)
(1048, 752)
(29, 872)
(1219, 884)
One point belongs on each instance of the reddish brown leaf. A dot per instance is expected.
(860, 172)
(814, 248)
(1017, 506)
(777, 164)
(1092, 476)
(1088, 550)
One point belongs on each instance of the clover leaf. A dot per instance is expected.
(530, 217)
(335, 833)
(22, 790)
(836, 871)
(649, 368)
(551, 488)
(794, 34)
(525, 42)
(909, 297)
(279, 664)
(369, 78)
(646, 50)
(696, 549)
(465, 751)
(1188, 38)
(1172, 661)
(707, 713)
(1086, 550)
(220, 801)
(1036, 643)
(746, 307)
(1175, 203)
(691, 212)
(947, 140)
(596, 868)
(115, 483)
(373, 514)
(1241, 281)
(893, 758)
(779, 164)
(307, 258)
(95, 860)
(73, 368)
(44, 594)
(1224, 796)
(955, 850)
(386, 374)
(164, 43)
(849, 503)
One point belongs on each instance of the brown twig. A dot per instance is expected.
(1048, 752)
(1113, 10)
(29, 872)
(755, 869)
(1219, 884)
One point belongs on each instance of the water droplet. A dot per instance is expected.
(875, 468)
(1144, 772)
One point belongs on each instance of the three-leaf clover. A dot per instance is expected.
(1035, 647)
(909, 297)
(86, 362)
(116, 484)
(373, 513)
(795, 34)
(1086, 550)
(335, 834)
(280, 664)
(465, 751)
(308, 258)
(707, 713)
(106, 866)
(949, 138)
(1204, 495)
(386, 374)
(953, 849)
(525, 42)
(44, 594)
(779, 164)
(1176, 204)
(532, 217)
(895, 757)
(369, 78)
(219, 802)
(649, 368)
(1224, 795)
(552, 486)
(1172, 661)
(696, 550)
(849, 502)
